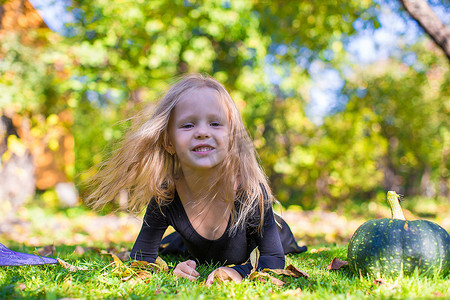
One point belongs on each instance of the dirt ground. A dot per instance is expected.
(36, 227)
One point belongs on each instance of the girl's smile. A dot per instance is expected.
(203, 149)
(198, 130)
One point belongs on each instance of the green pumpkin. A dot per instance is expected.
(391, 247)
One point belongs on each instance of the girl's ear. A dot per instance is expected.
(167, 144)
(169, 148)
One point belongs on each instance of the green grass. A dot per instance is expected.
(36, 225)
(54, 281)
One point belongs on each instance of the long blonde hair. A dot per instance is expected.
(143, 167)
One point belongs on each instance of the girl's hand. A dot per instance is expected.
(226, 274)
(186, 270)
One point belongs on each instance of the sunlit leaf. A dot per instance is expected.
(79, 250)
(254, 259)
(162, 246)
(117, 260)
(281, 272)
(319, 250)
(144, 275)
(289, 271)
(161, 264)
(263, 277)
(120, 269)
(140, 275)
(276, 281)
(221, 276)
(158, 266)
(68, 280)
(293, 293)
(140, 264)
(109, 280)
(70, 267)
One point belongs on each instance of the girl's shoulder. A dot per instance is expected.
(162, 205)
(255, 207)
(243, 197)
(169, 202)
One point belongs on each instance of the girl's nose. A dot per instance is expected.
(202, 132)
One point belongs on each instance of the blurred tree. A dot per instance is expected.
(427, 19)
(122, 56)
(410, 114)
(40, 153)
(127, 54)
(17, 174)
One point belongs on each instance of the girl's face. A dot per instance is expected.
(199, 130)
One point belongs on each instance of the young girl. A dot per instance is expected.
(193, 165)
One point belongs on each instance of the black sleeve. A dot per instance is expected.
(269, 245)
(147, 243)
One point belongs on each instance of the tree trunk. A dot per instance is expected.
(17, 179)
(2, 13)
(420, 11)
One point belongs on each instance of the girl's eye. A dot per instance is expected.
(188, 125)
(214, 124)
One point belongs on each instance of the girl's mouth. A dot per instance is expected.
(203, 149)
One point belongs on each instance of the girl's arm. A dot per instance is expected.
(153, 227)
(269, 245)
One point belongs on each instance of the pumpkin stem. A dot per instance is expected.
(394, 204)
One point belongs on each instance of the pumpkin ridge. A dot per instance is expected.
(441, 254)
(442, 240)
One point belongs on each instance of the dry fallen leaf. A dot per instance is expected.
(70, 267)
(162, 246)
(79, 250)
(319, 250)
(140, 264)
(124, 255)
(276, 281)
(299, 273)
(82, 250)
(254, 259)
(263, 276)
(48, 250)
(336, 264)
(221, 276)
(144, 275)
(295, 293)
(158, 266)
(281, 272)
(139, 270)
(289, 271)
(162, 265)
(68, 280)
(120, 268)
(117, 261)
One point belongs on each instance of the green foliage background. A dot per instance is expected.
(393, 133)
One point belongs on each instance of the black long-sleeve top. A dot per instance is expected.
(226, 250)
